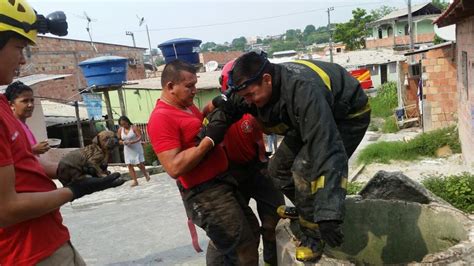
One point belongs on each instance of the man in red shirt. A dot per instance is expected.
(31, 229)
(245, 149)
(209, 192)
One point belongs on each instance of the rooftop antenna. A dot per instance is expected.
(88, 28)
(141, 20)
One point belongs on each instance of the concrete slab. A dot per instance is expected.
(143, 225)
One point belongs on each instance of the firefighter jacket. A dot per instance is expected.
(309, 99)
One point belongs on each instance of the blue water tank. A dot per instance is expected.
(182, 48)
(105, 70)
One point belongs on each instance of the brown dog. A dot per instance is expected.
(88, 161)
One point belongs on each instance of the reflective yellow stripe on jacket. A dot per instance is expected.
(327, 81)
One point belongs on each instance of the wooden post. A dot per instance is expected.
(79, 126)
(110, 124)
(121, 101)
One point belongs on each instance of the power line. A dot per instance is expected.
(258, 19)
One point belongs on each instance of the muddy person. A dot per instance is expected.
(323, 113)
(31, 226)
(200, 167)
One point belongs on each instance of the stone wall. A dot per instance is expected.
(61, 56)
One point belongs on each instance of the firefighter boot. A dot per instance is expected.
(287, 212)
(311, 246)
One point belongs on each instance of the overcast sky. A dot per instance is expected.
(217, 21)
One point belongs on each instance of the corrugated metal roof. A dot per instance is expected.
(206, 81)
(402, 12)
(355, 59)
(37, 78)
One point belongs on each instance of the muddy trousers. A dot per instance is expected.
(255, 184)
(351, 131)
(217, 207)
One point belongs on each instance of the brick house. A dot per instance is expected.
(461, 13)
(220, 57)
(392, 30)
(61, 56)
(437, 65)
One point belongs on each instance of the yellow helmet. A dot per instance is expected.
(18, 16)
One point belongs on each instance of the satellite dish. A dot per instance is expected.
(447, 33)
(211, 66)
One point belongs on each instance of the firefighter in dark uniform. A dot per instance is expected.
(323, 113)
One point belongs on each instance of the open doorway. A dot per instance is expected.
(383, 73)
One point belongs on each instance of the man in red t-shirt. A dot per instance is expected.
(245, 149)
(31, 229)
(209, 192)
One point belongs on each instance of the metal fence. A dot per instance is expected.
(143, 128)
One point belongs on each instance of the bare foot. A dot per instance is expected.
(147, 177)
(134, 184)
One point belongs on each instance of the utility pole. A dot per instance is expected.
(141, 20)
(410, 30)
(330, 33)
(129, 33)
(149, 46)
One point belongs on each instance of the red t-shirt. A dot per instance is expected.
(243, 139)
(28, 242)
(170, 128)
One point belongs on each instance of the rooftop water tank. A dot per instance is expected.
(104, 70)
(182, 48)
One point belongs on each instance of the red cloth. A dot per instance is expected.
(28, 242)
(243, 139)
(170, 128)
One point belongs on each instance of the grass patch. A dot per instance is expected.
(425, 144)
(149, 154)
(458, 190)
(383, 104)
(390, 125)
(354, 187)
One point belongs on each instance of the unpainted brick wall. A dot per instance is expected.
(61, 56)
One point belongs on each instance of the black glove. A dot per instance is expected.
(331, 232)
(226, 105)
(216, 128)
(90, 185)
(311, 246)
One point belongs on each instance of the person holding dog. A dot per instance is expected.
(31, 226)
(130, 137)
(22, 103)
(199, 164)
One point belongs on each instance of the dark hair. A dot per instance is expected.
(171, 72)
(248, 65)
(15, 89)
(124, 118)
(5, 36)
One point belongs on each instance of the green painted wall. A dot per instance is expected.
(424, 27)
(139, 103)
(421, 27)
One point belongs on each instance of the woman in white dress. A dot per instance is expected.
(130, 136)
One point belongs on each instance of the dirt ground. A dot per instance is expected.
(416, 170)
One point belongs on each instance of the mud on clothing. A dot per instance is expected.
(209, 194)
(30, 241)
(246, 152)
(309, 107)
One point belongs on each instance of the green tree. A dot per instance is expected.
(208, 46)
(441, 4)
(308, 30)
(353, 33)
(381, 12)
(239, 43)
